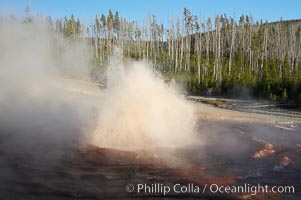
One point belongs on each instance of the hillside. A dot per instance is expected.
(225, 55)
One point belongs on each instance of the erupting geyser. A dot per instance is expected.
(139, 110)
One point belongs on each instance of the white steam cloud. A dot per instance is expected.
(35, 116)
(139, 110)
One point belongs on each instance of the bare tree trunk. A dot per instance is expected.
(231, 46)
(208, 44)
(182, 46)
(96, 38)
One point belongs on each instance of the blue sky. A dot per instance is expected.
(271, 10)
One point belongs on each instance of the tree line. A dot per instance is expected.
(223, 54)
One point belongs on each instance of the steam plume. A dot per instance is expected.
(139, 110)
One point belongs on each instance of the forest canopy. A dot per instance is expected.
(224, 55)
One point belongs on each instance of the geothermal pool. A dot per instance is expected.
(232, 148)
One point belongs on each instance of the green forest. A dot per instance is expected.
(220, 56)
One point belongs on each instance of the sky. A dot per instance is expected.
(271, 10)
